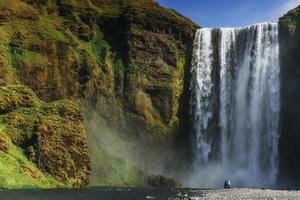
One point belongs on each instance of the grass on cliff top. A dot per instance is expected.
(16, 171)
(289, 20)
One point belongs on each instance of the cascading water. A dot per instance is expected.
(247, 86)
(202, 91)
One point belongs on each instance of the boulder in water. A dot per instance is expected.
(163, 182)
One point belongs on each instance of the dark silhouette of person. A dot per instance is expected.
(227, 184)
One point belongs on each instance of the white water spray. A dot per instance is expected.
(202, 91)
(248, 108)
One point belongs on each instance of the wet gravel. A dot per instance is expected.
(237, 194)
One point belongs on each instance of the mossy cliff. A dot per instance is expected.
(127, 57)
(42, 145)
(127, 60)
(289, 35)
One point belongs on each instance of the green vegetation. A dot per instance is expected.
(172, 47)
(111, 163)
(83, 49)
(22, 57)
(290, 24)
(119, 67)
(117, 172)
(45, 143)
(100, 48)
(16, 171)
(290, 20)
(48, 29)
(2, 127)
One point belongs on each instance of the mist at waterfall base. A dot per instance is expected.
(235, 105)
(118, 156)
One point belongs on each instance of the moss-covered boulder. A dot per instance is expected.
(52, 135)
(163, 182)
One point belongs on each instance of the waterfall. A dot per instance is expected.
(238, 134)
(202, 91)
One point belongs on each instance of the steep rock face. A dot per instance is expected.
(158, 42)
(289, 35)
(51, 135)
(126, 59)
(153, 45)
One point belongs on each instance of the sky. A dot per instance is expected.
(231, 13)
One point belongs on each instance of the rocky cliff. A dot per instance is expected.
(126, 60)
(42, 144)
(289, 36)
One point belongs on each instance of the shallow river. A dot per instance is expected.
(148, 194)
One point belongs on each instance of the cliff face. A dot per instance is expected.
(127, 60)
(289, 35)
(51, 136)
(126, 57)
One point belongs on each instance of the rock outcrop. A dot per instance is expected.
(163, 182)
(289, 35)
(51, 135)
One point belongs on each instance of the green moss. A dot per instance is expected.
(21, 125)
(140, 70)
(16, 96)
(290, 20)
(100, 48)
(172, 47)
(47, 29)
(10, 56)
(22, 57)
(119, 67)
(181, 64)
(54, 130)
(38, 32)
(57, 76)
(2, 127)
(290, 24)
(16, 171)
(5, 54)
(38, 45)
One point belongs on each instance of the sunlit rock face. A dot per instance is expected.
(235, 104)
